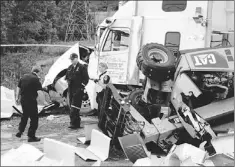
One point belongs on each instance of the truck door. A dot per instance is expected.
(114, 52)
(119, 48)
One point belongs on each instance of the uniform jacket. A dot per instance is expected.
(77, 77)
(29, 84)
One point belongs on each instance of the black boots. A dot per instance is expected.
(34, 139)
(30, 139)
(74, 127)
(75, 119)
(18, 134)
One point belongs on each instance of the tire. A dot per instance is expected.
(134, 97)
(160, 69)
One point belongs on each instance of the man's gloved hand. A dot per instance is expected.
(45, 89)
(95, 80)
(17, 101)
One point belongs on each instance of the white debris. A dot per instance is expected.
(180, 155)
(23, 155)
(184, 151)
(88, 129)
(153, 160)
(98, 149)
(97, 163)
(188, 162)
(224, 144)
(55, 154)
(6, 126)
(51, 117)
(143, 162)
(7, 101)
(63, 153)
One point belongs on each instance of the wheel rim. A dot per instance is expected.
(158, 56)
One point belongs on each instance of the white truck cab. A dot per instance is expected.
(178, 25)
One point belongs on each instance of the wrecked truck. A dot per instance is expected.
(166, 63)
(177, 25)
(202, 90)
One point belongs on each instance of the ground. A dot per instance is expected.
(56, 129)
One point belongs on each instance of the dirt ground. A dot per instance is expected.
(56, 129)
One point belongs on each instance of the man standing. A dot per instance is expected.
(101, 84)
(77, 78)
(26, 94)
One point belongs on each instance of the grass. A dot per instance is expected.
(15, 65)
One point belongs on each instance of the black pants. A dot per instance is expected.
(75, 101)
(99, 99)
(30, 110)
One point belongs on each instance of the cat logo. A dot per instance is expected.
(204, 59)
(209, 59)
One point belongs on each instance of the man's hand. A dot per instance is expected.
(18, 96)
(96, 80)
(45, 89)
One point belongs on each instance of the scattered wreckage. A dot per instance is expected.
(197, 84)
(55, 78)
(9, 106)
(202, 90)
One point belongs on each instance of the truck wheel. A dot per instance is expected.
(138, 104)
(156, 62)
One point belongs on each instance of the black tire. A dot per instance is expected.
(150, 66)
(138, 104)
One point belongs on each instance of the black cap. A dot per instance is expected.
(73, 56)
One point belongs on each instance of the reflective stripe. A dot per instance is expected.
(75, 107)
(83, 85)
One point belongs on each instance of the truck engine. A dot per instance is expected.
(214, 86)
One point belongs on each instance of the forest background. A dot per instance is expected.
(39, 22)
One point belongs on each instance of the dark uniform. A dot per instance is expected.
(29, 84)
(102, 84)
(77, 78)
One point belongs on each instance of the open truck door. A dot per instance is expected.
(122, 39)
